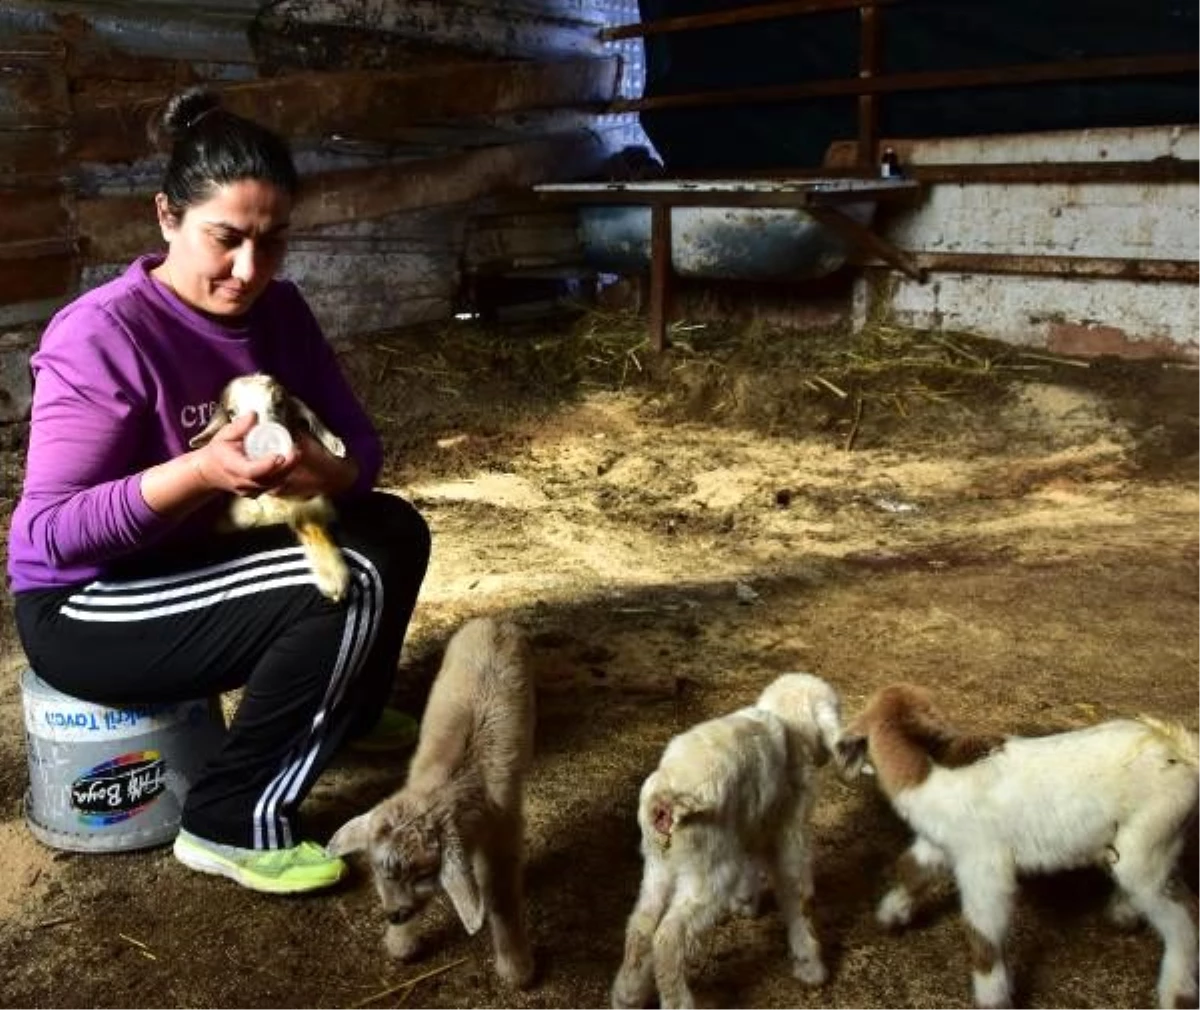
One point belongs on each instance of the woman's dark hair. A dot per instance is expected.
(211, 146)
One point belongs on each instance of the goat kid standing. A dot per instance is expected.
(1117, 795)
(729, 805)
(458, 822)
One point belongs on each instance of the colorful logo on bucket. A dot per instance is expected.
(119, 789)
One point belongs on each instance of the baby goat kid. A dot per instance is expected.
(458, 821)
(310, 518)
(1116, 795)
(731, 800)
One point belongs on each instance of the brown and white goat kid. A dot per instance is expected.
(729, 804)
(1116, 795)
(310, 518)
(457, 823)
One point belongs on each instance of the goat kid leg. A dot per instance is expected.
(324, 557)
(794, 893)
(689, 918)
(634, 984)
(402, 940)
(917, 871)
(1145, 873)
(988, 889)
(506, 914)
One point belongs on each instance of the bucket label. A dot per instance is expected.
(120, 788)
(60, 719)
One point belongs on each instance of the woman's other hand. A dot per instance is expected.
(310, 469)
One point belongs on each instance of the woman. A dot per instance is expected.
(124, 593)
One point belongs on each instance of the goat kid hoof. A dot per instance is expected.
(1121, 913)
(517, 971)
(400, 943)
(894, 911)
(810, 972)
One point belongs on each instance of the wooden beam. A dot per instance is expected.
(365, 105)
(32, 214)
(42, 275)
(31, 157)
(114, 228)
(737, 16)
(859, 237)
(1029, 73)
(1075, 267)
(869, 44)
(843, 158)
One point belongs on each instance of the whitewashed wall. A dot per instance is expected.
(1112, 220)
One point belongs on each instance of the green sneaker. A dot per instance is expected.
(303, 867)
(394, 731)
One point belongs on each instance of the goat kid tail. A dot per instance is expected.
(324, 557)
(664, 810)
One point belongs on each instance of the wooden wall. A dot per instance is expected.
(413, 123)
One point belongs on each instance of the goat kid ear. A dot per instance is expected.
(850, 756)
(351, 837)
(457, 878)
(218, 421)
(334, 445)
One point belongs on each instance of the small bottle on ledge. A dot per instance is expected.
(889, 165)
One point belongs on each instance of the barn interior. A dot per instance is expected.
(715, 340)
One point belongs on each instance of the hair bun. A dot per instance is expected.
(185, 111)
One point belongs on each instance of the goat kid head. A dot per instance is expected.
(413, 851)
(270, 401)
(812, 709)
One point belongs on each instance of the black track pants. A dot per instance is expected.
(241, 610)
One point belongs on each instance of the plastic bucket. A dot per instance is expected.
(110, 779)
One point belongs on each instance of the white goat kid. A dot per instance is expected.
(729, 806)
(1116, 795)
(458, 820)
(310, 518)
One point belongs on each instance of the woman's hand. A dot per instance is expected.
(310, 469)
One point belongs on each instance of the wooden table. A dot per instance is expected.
(820, 198)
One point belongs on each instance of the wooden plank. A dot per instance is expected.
(736, 16)
(1029, 73)
(364, 105)
(843, 156)
(33, 213)
(33, 278)
(33, 90)
(115, 228)
(32, 156)
(869, 44)
(1092, 267)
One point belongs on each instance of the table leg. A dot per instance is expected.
(660, 274)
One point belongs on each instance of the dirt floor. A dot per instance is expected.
(1016, 532)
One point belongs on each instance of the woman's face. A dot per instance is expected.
(223, 252)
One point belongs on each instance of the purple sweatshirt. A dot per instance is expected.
(123, 378)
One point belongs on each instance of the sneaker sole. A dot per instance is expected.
(204, 862)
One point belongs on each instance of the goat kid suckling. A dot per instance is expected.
(457, 824)
(728, 808)
(310, 518)
(983, 809)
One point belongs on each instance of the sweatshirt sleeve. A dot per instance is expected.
(82, 497)
(317, 378)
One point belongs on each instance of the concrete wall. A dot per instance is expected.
(1131, 221)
